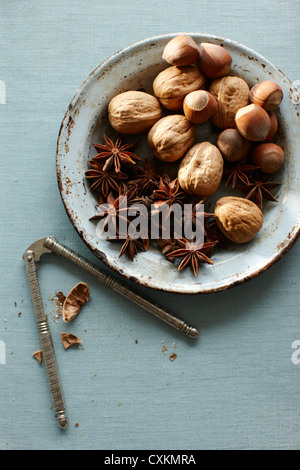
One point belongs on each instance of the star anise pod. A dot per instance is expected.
(114, 211)
(192, 253)
(168, 245)
(105, 180)
(260, 189)
(213, 234)
(168, 193)
(238, 173)
(131, 246)
(196, 216)
(143, 200)
(147, 178)
(115, 154)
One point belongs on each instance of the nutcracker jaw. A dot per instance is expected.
(38, 248)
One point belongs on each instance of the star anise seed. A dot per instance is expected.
(259, 189)
(113, 212)
(131, 246)
(238, 173)
(103, 179)
(147, 178)
(192, 253)
(115, 154)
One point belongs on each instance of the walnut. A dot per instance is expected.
(174, 83)
(201, 169)
(171, 137)
(231, 93)
(68, 340)
(74, 300)
(133, 112)
(238, 218)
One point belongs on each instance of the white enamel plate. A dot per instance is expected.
(85, 122)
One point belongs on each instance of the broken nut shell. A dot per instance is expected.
(68, 340)
(75, 299)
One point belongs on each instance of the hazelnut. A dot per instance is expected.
(201, 169)
(266, 94)
(181, 50)
(199, 106)
(238, 218)
(174, 83)
(232, 145)
(269, 157)
(215, 61)
(133, 112)
(231, 93)
(74, 300)
(171, 137)
(253, 122)
(274, 126)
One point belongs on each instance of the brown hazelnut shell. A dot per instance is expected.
(269, 157)
(253, 122)
(181, 50)
(214, 60)
(199, 106)
(266, 94)
(232, 145)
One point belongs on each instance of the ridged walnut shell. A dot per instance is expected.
(238, 218)
(133, 112)
(231, 93)
(174, 83)
(201, 169)
(171, 137)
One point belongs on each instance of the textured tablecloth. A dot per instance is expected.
(236, 387)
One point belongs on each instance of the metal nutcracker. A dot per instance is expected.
(50, 245)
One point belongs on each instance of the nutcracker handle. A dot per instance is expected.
(60, 249)
(46, 341)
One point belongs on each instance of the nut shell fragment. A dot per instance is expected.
(68, 340)
(75, 299)
(238, 218)
(38, 356)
